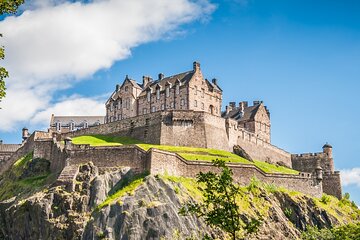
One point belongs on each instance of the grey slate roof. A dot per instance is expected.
(9, 147)
(249, 113)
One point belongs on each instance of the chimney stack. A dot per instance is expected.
(161, 76)
(146, 80)
(232, 105)
(227, 110)
(1, 142)
(256, 103)
(117, 87)
(214, 81)
(196, 66)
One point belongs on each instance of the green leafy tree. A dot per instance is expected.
(6, 7)
(219, 208)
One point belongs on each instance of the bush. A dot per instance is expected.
(325, 199)
(288, 212)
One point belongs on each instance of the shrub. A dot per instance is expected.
(288, 212)
(325, 199)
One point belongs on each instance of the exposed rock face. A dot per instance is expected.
(238, 150)
(151, 212)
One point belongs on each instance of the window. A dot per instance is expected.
(119, 104)
(86, 125)
(172, 105)
(153, 109)
(195, 103)
(202, 93)
(144, 111)
(177, 89)
(162, 106)
(158, 94)
(202, 106)
(182, 102)
(167, 91)
(72, 126)
(148, 96)
(111, 107)
(196, 90)
(58, 126)
(126, 88)
(119, 117)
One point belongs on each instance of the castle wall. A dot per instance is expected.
(256, 147)
(162, 162)
(332, 184)
(122, 156)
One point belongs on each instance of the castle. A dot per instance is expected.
(181, 110)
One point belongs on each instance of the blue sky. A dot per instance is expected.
(300, 57)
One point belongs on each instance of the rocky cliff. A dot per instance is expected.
(116, 204)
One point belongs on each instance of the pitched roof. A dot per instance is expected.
(249, 113)
(9, 147)
(182, 77)
(76, 119)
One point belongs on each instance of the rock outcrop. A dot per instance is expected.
(149, 211)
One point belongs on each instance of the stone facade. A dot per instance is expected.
(64, 124)
(6, 150)
(184, 91)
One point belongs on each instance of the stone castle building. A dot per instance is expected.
(183, 91)
(180, 110)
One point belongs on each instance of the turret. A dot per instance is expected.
(327, 149)
(25, 133)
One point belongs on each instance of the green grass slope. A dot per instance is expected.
(188, 153)
(19, 179)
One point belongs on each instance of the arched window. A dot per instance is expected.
(153, 109)
(86, 125)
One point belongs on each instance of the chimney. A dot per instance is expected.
(25, 133)
(196, 66)
(1, 142)
(232, 105)
(161, 76)
(241, 106)
(256, 103)
(146, 80)
(117, 87)
(214, 81)
(227, 110)
(246, 104)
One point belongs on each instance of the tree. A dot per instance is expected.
(219, 207)
(6, 7)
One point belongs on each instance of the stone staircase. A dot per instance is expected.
(67, 177)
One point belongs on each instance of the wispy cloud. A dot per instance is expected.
(350, 177)
(55, 43)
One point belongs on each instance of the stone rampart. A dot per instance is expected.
(105, 157)
(257, 148)
(332, 184)
(162, 162)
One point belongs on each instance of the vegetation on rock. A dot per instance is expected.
(26, 175)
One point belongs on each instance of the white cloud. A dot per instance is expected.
(56, 43)
(350, 177)
(74, 105)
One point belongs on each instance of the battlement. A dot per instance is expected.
(308, 155)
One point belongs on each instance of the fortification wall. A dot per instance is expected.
(121, 156)
(145, 128)
(257, 148)
(332, 184)
(196, 129)
(162, 162)
(307, 162)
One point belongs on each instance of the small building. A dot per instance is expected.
(64, 124)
